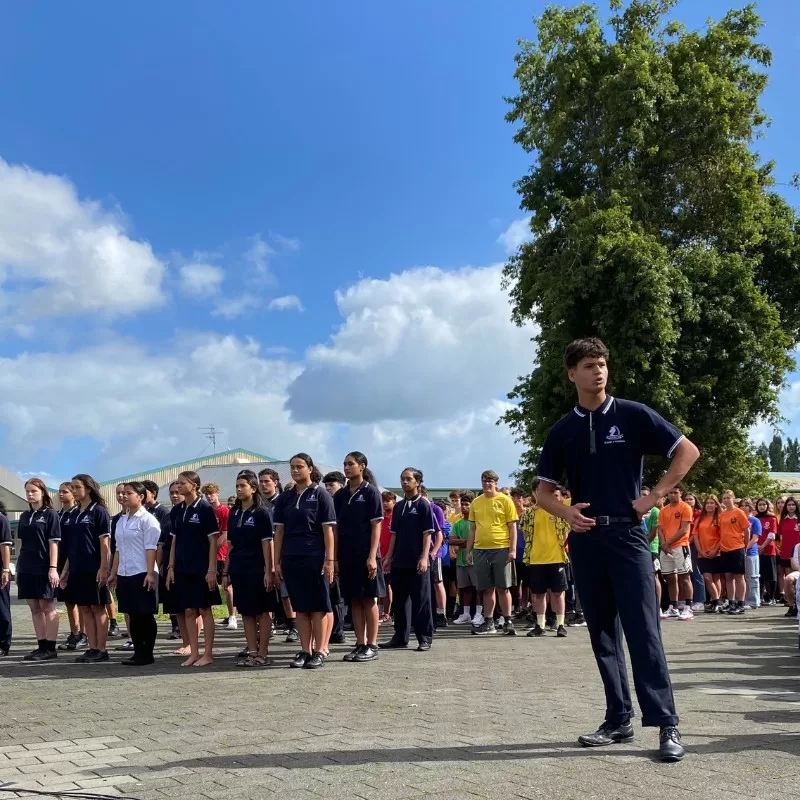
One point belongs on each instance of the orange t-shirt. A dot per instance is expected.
(707, 533)
(671, 517)
(733, 525)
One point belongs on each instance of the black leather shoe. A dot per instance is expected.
(338, 638)
(536, 630)
(315, 662)
(368, 653)
(299, 660)
(97, 657)
(392, 644)
(351, 656)
(670, 747)
(423, 647)
(3, 652)
(135, 661)
(608, 734)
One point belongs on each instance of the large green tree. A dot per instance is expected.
(654, 226)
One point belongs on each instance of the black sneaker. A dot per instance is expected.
(97, 657)
(423, 646)
(292, 636)
(393, 644)
(351, 656)
(440, 621)
(137, 661)
(369, 652)
(338, 638)
(608, 734)
(509, 629)
(731, 609)
(791, 611)
(70, 642)
(536, 630)
(711, 608)
(82, 643)
(113, 630)
(174, 634)
(3, 652)
(561, 632)
(299, 661)
(579, 621)
(85, 657)
(43, 655)
(669, 744)
(31, 655)
(315, 661)
(485, 628)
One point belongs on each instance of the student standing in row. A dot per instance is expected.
(304, 519)
(211, 493)
(37, 573)
(767, 568)
(734, 534)
(77, 637)
(789, 533)
(674, 524)
(249, 569)
(359, 512)
(5, 579)
(86, 570)
(438, 596)
(113, 628)
(408, 560)
(335, 632)
(459, 536)
(388, 500)
(133, 572)
(167, 595)
(164, 541)
(706, 534)
(193, 566)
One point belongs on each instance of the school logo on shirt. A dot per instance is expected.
(194, 518)
(249, 521)
(361, 499)
(614, 435)
(413, 510)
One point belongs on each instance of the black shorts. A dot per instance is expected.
(191, 591)
(732, 562)
(710, 566)
(309, 591)
(220, 570)
(133, 598)
(250, 596)
(354, 580)
(34, 587)
(544, 577)
(786, 563)
(449, 573)
(522, 573)
(83, 590)
(435, 566)
(767, 569)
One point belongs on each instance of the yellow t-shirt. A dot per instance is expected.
(491, 516)
(549, 535)
(453, 518)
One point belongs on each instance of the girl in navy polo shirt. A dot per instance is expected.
(37, 573)
(193, 566)
(304, 519)
(249, 567)
(77, 638)
(88, 559)
(359, 512)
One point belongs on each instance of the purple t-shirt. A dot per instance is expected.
(438, 525)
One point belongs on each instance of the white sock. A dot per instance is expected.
(440, 611)
(478, 611)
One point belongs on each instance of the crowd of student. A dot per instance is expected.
(329, 551)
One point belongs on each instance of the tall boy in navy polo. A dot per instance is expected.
(599, 447)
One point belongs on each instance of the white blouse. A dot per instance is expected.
(135, 536)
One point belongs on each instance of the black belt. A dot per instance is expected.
(615, 520)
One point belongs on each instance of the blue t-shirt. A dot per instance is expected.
(439, 524)
(600, 454)
(411, 520)
(302, 515)
(755, 530)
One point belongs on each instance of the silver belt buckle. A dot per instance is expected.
(602, 520)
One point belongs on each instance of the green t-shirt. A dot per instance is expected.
(650, 522)
(461, 531)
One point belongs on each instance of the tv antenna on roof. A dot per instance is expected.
(211, 434)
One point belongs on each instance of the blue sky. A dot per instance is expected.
(228, 157)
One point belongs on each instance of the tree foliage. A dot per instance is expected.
(654, 226)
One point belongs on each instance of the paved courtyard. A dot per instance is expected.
(473, 718)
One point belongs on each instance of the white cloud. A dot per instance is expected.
(286, 243)
(516, 234)
(232, 307)
(258, 256)
(422, 345)
(60, 255)
(201, 279)
(290, 302)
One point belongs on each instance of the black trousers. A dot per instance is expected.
(339, 609)
(614, 576)
(411, 602)
(142, 629)
(5, 616)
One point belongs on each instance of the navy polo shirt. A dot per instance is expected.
(302, 515)
(355, 514)
(411, 520)
(191, 527)
(164, 520)
(114, 520)
(64, 519)
(5, 532)
(246, 532)
(610, 478)
(36, 530)
(86, 529)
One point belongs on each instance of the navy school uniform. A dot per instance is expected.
(355, 514)
(192, 526)
(302, 515)
(247, 531)
(86, 529)
(36, 530)
(166, 597)
(411, 520)
(600, 454)
(5, 594)
(64, 519)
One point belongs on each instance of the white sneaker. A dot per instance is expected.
(500, 622)
(686, 614)
(663, 614)
(464, 619)
(232, 624)
(477, 620)
(673, 613)
(698, 607)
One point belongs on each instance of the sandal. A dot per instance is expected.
(247, 661)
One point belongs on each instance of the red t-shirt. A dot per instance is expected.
(769, 524)
(386, 534)
(223, 512)
(789, 530)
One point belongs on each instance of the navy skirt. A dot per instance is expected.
(250, 596)
(133, 598)
(83, 590)
(354, 580)
(167, 597)
(34, 587)
(309, 590)
(192, 591)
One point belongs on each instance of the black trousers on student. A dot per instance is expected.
(5, 617)
(142, 629)
(339, 609)
(411, 602)
(614, 576)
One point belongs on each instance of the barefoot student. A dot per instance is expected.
(193, 566)
(249, 568)
(599, 446)
(359, 512)
(133, 572)
(304, 519)
(37, 573)
(85, 572)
